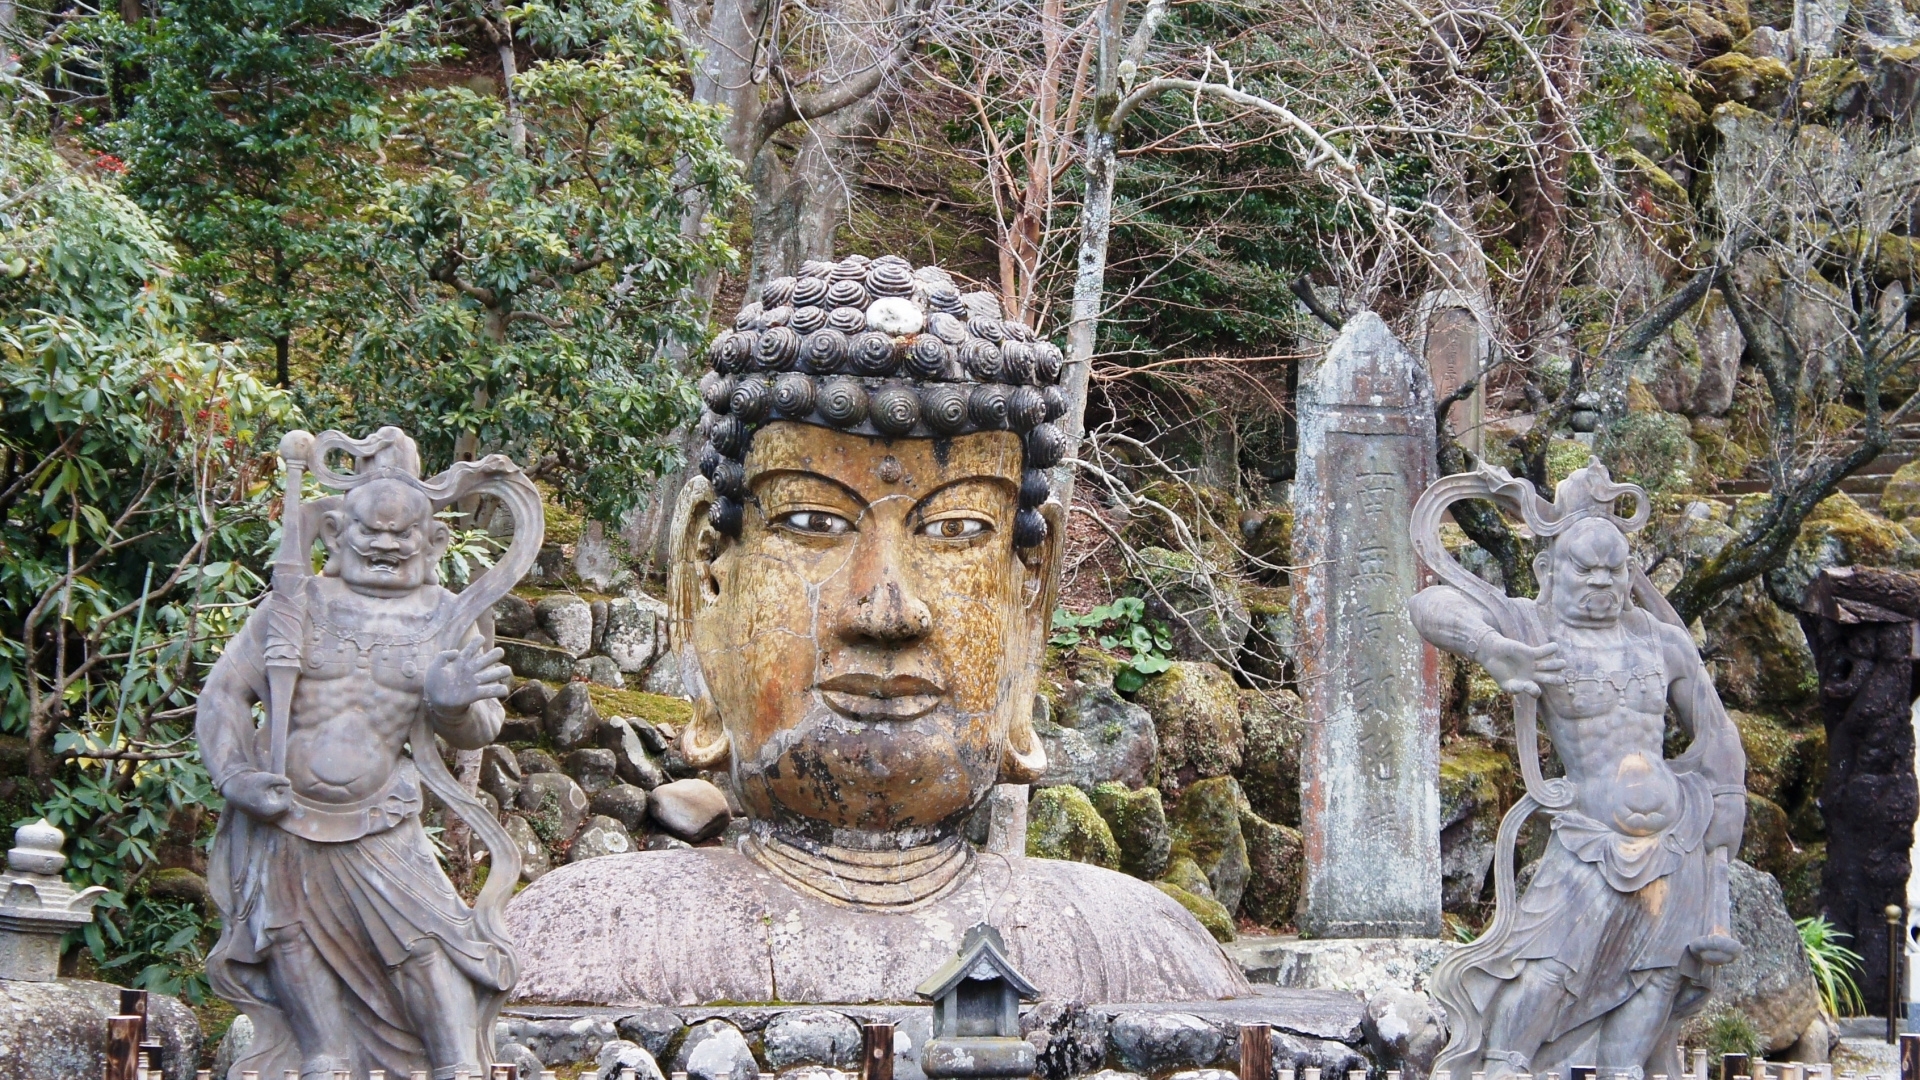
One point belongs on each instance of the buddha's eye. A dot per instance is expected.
(814, 523)
(956, 528)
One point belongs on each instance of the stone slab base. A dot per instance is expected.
(1359, 965)
(1311, 1028)
(58, 1030)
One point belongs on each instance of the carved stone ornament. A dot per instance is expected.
(37, 906)
(342, 939)
(1616, 939)
(859, 608)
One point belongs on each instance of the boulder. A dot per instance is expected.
(602, 835)
(233, 1045)
(1156, 1042)
(568, 620)
(1062, 824)
(1196, 714)
(1771, 984)
(570, 718)
(1094, 737)
(1764, 844)
(58, 1029)
(519, 729)
(811, 1037)
(500, 775)
(1477, 782)
(558, 1041)
(554, 805)
(632, 762)
(716, 1050)
(622, 1060)
(1271, 722)
(535, 660)
(1693, 368)
(1183, 873)
(653, 1029)
(602, 671)
(512, 617)
(530, 698)
(663, 677)
(1839, 533)
(534, 860)
(594, 560)
(592, 768)
(533, 760)
(1138, 824)
(1269, 653)
(1759, 82)
(1205, 909)
(624, 803)
(1067, 1040)
(1203, 608)
(1276, 868)
(1404, 1030)
(636, 632)
(1206, 829)
(692, 809)
(1901, 499)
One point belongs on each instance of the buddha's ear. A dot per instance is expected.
(693, 588)
(1025, 756)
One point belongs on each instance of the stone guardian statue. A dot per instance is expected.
(342, 939)
(1616, 939)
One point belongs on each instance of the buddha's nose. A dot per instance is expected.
(884, 607)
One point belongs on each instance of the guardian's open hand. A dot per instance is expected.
(455, 680)
(1521, 668)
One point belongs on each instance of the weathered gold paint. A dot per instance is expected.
(869, 686)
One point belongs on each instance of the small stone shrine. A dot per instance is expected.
(37, 906)
(1370, 762)
(342, 940)
(1617, 937)
(861, 583)
(976, 1012)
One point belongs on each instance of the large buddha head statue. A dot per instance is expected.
(864, 568)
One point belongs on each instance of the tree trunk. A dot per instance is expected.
(799, 209)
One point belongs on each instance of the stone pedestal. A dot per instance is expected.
(1370, 764)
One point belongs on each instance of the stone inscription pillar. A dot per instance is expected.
(1370, 764)
(1457, 349)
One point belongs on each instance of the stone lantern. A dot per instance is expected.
(37, 908)
(976, 999)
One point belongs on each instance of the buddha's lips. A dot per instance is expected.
(881, 697)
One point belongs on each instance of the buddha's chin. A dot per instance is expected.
(881, 779)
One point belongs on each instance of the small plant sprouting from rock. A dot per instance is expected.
(1732, 1033)
(1833, 966)
(1121, 625)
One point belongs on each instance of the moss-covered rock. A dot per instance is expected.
(1270, 643)
(1272, 723)
(655, 709)
(1204, 608)
(1759, 82)
(1206, 829)
(1138, 823)
(1183, 873)
(1721, 456)
(1651, 448)
(1833, 86)
(1760, 655)
(1775, 768)
(1208, 911)
(1276, 866)
(1901, 499)
(1268, 536)
(1690, 33)
(1196, 712)
(1478, 781)
(1765, 844)
(1801, 884)
(1840, 533)
(1062, 824)
(1211, 513)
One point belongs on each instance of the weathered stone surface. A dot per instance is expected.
(1205, 909)
(58, 1029)
(1196, 713)
(716, 1050)
(232, 1045)
(1096, 737)
(1359, 965)
(1138, 823)
(530, 698)
(568, 621)
(1206, 829)
(534, 860)
(559, 1041)
(512, 617)
(1153, 1042)
(691, 809)
(1404, 1030)
(620, 1059)
(624, 803)
(811, 1037)
(570, 718)
(532, 759)
(1771, 984)
(636, 632)
(601, 836)
(1269, 773)
(500, 775)
(1062, 824)
(554, 805)
(1067, 1039)
(584, 938)
(1765, 845)
(625, 737)
(1838, 533)
(664, 676)
(1204, 610)
(1901, 498)
(533, 660)
(1475, 781)
(653, 1029)
(602, 671)
(1276, 868)
(512, 1053)
(592, 768)
(1370, 815)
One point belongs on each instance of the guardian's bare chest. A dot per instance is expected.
(385, 644)
(1610, 671)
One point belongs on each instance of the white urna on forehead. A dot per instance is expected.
(388, 505)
